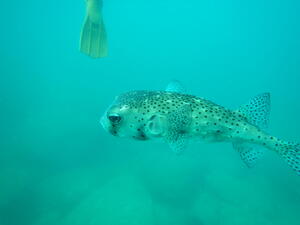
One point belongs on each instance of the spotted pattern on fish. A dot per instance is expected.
(203, 112)
(177, 117)
(257, 110)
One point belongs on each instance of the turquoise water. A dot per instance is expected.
(58, 166)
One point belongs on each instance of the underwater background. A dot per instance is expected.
(57, 164)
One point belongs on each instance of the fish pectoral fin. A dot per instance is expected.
(175, 86)
(248, 153)
(156, 125)
(177, 142)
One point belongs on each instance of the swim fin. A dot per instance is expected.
(93, 40)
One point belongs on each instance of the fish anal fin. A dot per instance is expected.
(249, 154)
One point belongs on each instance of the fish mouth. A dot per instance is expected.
(107, 126)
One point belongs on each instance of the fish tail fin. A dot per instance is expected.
(290, 152)
(93, 41)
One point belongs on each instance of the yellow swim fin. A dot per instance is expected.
(93, 41)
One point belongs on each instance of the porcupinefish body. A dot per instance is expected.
(176, 118)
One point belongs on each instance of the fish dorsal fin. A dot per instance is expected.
(178, 123)
(248, 154)
(257, 110)
(176, 86)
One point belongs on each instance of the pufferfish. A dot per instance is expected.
(176, 118)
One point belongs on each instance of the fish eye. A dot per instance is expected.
(114, 118)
